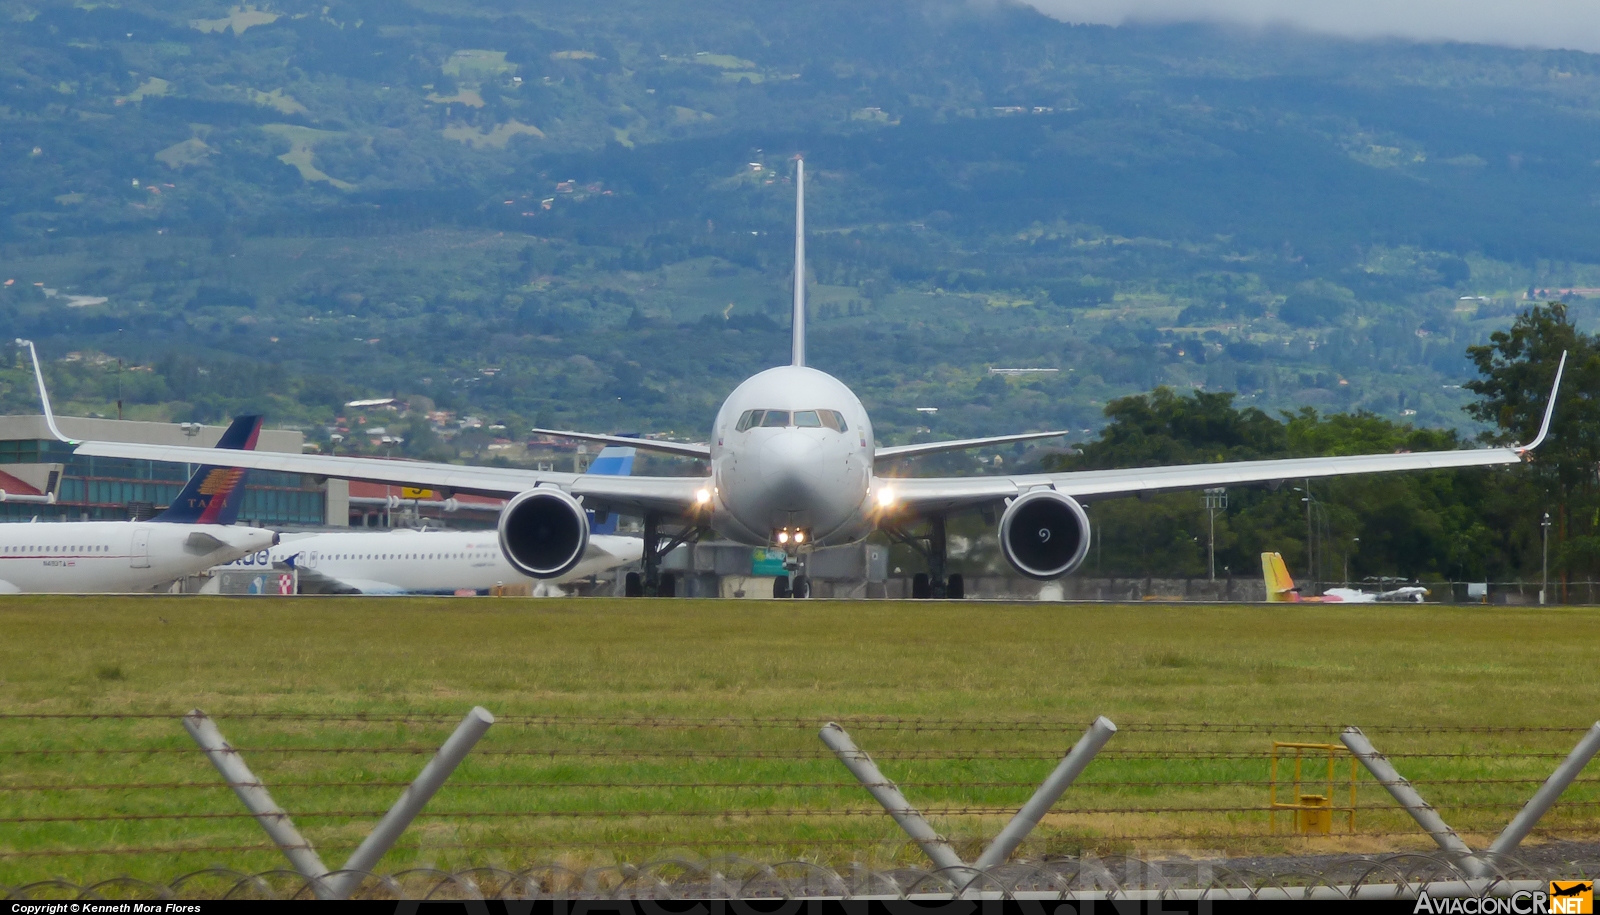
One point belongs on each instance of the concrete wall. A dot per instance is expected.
(1006, 587)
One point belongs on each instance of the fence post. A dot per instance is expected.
(1027, 818)
(1546, 796)
(412, 800)
(1407, 796)
(867, 773)
(258, 801)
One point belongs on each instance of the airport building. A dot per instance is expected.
(34, 467)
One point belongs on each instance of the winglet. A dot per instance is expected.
(1549, 409)
(799, 354)
(44, 396)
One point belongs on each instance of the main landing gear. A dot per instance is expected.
(653, 582)
(934, 549)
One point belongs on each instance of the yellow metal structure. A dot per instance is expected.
(1315, 816)
(1313, 813)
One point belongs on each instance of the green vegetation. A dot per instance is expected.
(1294, 672)
(576, 193)
(1447, 526)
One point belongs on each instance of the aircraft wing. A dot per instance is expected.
(904, 451)
(630, 495)
(681, 449)
(946, 493)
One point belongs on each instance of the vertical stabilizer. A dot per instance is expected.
(1280, 587)
(615, 461)
(214, 494)
(799, 262)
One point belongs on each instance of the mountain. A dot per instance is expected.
(578, 212)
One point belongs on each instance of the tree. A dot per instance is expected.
(1518, 367)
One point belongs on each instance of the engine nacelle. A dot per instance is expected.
(1044, 534)
(543, 532)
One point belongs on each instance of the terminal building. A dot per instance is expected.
(34, 467)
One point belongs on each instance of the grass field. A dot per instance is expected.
(603, 754)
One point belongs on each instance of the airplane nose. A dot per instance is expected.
(790, 456)
(791, 471)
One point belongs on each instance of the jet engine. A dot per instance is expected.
(543, 532)
(1044, 534)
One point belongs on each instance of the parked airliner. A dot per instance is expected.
(439, 562)
(195, 533)
(422, 562)
(793, 464)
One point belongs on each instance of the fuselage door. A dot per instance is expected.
(140, 557)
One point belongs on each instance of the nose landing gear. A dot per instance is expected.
(793, 583)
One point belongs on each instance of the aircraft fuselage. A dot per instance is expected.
(791, 451)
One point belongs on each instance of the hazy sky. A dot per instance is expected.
(1519, 23)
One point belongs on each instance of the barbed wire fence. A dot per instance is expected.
(107, 804)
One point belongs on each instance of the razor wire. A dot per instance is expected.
(1105, 878)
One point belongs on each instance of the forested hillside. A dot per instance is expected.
(577, 213)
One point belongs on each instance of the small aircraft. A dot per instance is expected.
(438, 562)
(1281, 588)
(793, 464)
(194, 533)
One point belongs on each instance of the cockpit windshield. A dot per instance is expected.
(803, 419)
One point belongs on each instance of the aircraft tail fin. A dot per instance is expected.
(799, 262)
(1280, 587)
(615, 461)
(214, 494)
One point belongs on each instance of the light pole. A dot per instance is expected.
(1544, 573)
(1216, 500)
(1355, 544)
(1311, 558)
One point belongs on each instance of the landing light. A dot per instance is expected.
(702, 496)
(885, 497)
(799, 536)
(783, 536)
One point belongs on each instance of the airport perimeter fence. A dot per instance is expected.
(599, 804)
(1116, 877)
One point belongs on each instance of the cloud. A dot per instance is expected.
(1573, 24)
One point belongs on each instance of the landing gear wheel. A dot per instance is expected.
(668, 586)
(633, 585)
(780, 587)
(801, 587)
(921, 588)
(956, 588)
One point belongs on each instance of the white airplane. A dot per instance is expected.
(422, 562)
(438, 562)
(1282, 589)
(793, 464)
(194, 533)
